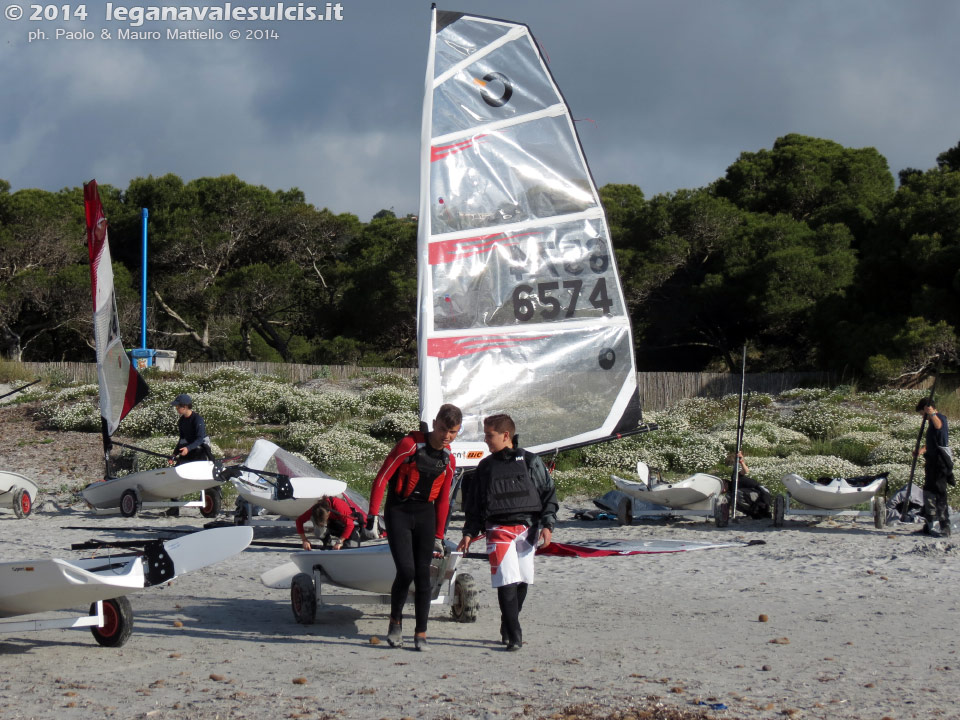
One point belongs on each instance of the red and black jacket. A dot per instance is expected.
(399, 472)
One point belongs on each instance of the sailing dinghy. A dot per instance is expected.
(520, 305)
(29, 587)
(833, 497)
(282, 483)
(18, 491)
(121, 388)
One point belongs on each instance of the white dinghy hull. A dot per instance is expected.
(694, 493)
(152, 485)
(838, 495)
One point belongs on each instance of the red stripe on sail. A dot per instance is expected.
(136, 391)
(439, 152)
(96, 231)
(447, 251)
(445, 348)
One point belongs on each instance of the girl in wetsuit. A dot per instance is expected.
(416, 477)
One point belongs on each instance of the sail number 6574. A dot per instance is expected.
(524, 308)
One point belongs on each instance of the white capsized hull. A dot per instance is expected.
(368, 568)
(34, 586)
(694, 493)
(153, 485)
(306, 492)
(836, 496)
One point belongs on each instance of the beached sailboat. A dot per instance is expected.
(258, 486)
(520, 305)
(121, 388)
(29, 587)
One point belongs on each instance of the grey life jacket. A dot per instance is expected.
(512, 490)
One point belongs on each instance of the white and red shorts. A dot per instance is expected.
(510, 553)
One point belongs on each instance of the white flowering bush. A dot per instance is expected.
(149, 418)
(384, 399)
(622, 455)
(901, 400)
(218, 412)
(591, 482)
(804, 395)
(75, 393)
(818, 419)
(78, 417)
(340, 446)
(226, 378)
(297, 435)
(394, 425)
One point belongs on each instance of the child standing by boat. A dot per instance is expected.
(512, 497)
(416, 477)
(937, 469)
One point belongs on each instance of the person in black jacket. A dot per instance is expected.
(193, 443)
(513, 499)
(937, 470)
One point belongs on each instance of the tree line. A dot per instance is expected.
(809, 251)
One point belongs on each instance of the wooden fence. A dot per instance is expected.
(658, 390)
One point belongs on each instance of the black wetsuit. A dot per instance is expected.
(193, 436)
(935, 477)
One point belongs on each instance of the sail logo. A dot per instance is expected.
(446, 348)
(448, 251)
(443, 151)
(491, 82)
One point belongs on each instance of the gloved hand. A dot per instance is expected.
(371, 520)
(438, 548)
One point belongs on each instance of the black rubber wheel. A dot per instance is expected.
(212, 502)
(466, 599)
(117, 622)
(625, 511)
(721, 512)
(22, 503)
(129, 503)
(779, 510)
(880, 510)
(241, 513)
(303, 599)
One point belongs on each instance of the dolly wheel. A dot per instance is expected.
(466, 599)
(22, 503)
(117, 622)
(721, 512)
(303, 599)
(779, 510)
(879, 512)
(129, 503)
(212, 502)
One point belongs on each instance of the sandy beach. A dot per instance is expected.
(861, 624)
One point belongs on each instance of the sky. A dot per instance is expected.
(667, 93)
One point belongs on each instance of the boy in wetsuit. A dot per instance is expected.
(512, 497)
(416, 477)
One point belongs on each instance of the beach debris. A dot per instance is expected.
(216, 678)
(177, 624)
(766, 668)
(374, 640)
(299, 681)
(780, 641)
(173, 655)
(763, 618)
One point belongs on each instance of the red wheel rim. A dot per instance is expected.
(25, 503)
(111, 620)
(208, 503)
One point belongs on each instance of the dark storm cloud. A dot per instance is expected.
(666, 94)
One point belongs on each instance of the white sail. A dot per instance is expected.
(520, 305)
(121, 386)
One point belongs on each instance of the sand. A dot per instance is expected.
(861, 623)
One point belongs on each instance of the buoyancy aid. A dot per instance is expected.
(421, 475)
(511, 489)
